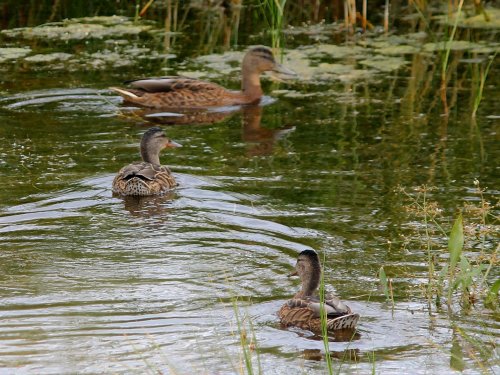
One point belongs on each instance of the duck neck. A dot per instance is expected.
(250, 83)
(150, 157)
(310, 284)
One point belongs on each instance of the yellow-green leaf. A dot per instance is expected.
(456, 242)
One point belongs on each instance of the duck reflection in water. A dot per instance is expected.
(352, 355)
(260, 139)
(157, 206)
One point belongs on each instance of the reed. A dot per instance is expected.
(247, 346)
(445, 59)
(482, 80)
(274, 11)
(323, 317)
(386, 16)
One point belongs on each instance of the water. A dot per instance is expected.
(92, 283)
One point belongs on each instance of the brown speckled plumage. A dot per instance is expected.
(182, 92)
(303, 310)
(147, 177)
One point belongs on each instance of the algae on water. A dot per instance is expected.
(49, 57)
(13, 53)
(80, 28)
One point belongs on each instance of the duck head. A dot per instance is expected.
(153, 141)
(260, 59)
(308, 268)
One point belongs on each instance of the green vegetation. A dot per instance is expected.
(459, 275)
(386, 286)
(248, 344)
(364, 117)
(323, 317)
(274, 11)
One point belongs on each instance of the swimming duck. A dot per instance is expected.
(303, 310)
(147, 177)
(183, 92)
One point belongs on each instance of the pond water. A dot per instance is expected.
(92, 283)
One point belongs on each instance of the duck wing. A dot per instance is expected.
(146, 171)
(172, 83)
(305, 313)
(333, 306)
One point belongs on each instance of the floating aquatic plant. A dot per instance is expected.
(13, 53)
(80, 28)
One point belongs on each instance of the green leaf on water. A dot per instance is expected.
(383, 282)
(491, 299)
(495, 288)
(456, 242)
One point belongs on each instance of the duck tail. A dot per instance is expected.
(348, 321)
(126, 94)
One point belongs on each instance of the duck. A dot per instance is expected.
(303, 310)
(147, 177)
(183, 92)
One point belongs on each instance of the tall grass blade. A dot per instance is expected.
(247, 356)
(452, 36)
(323, 317)
(446, 56)
(479, 95)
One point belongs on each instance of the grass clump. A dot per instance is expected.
(458, 276)
(248, 343)
(274, 11)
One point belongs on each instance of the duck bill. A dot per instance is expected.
(172, 144)
(282, 72)
(294, 273)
